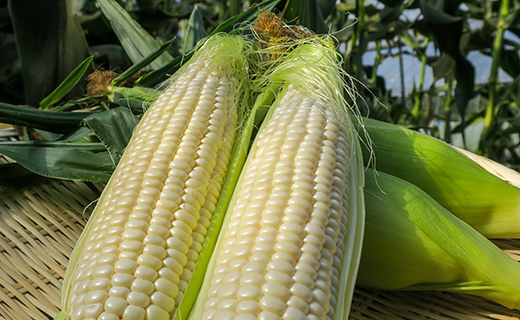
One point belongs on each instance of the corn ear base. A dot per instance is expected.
(238, 159)
(413, 243)
(480, 198)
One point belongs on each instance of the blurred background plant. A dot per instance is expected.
(448, 68)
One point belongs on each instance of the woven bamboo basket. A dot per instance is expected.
(40, 224)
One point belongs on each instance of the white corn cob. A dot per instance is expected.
(281, 256)
(137, 254)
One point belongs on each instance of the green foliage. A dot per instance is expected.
(46, 120)
(14, 175)
(142, 63)
(63, 160)
(131, 36)
(50, 44)
(72, 79)
(194, 31)
(306, 13)
(114, 129)
(137, 42)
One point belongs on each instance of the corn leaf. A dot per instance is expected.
(156, 77)
(137, 42)
(62, 160)
(48, 136)
(50, 44)
(114, 129)
(195, 30)
(141, 64)
(57, 122)
(306, 13)
(447, 31)
(82, 134)
(326, 7)
(246, 17)
(138, 99)
(72, 79)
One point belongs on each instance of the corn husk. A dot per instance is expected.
(413, 243)
(482, 196)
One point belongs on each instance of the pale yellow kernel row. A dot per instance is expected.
(146, 239)
(282, 247)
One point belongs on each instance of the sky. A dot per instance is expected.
(389, 68)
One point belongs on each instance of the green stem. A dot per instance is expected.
(361, 39)
(447, 106)
(377, 62)
(489, 120)
(401, 73)
(417, 106)
(350, 50)
(354, 53)
(235, 7)
(221, 11)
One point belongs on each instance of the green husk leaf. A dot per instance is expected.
(138, 43)
(114, 129)
(61, 316)
(484, 201)
(141, 64)
(72, 79)
(138, 99)
(62, 160)
(413, 243)
(509, 175)
(57, 122)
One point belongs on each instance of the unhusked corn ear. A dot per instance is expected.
(287, 241)
(469, 190)
(135, 258)
(413, 243)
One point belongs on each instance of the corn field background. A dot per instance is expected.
(448, 68)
